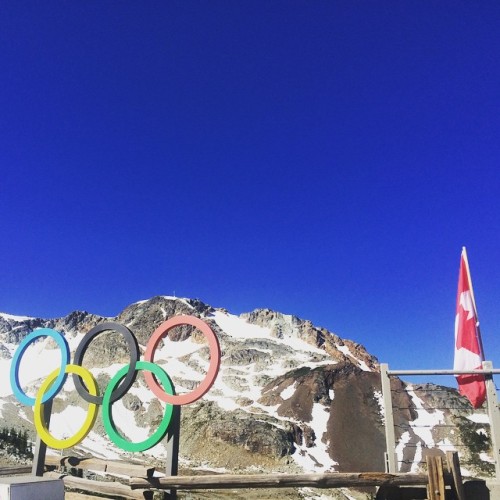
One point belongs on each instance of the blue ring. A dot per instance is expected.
(16, 361)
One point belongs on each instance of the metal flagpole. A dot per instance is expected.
(478, 330)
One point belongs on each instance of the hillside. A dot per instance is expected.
(289, 395)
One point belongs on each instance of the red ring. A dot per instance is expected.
(213, 369)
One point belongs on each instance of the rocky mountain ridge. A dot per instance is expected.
(289, 395)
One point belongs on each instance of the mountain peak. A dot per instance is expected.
(289, 395)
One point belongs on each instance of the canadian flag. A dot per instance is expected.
(468, 348)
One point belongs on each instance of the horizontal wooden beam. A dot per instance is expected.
(15, 470)
(325, 480)
(99, 465)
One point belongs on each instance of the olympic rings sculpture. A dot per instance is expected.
(155, 376)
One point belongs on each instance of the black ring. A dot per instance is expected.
(127, 381)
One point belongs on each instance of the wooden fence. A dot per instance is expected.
(442, 480)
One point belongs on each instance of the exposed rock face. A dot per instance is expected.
(4, 353)
(144, 317)
(234, 428)
(283, 326)
(355, 425)
(14, 331)
(288, 396)
(354, 429)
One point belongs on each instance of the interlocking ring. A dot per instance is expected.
(16, 361)
(213, 368)
(38, 412)
(128, 380)
(107, 418)
(120, 383)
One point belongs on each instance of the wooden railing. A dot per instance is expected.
(15, 470)
(439, 476)
(138, 481)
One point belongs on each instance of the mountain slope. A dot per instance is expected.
(289, 395)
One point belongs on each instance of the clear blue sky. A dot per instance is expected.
(327, 159)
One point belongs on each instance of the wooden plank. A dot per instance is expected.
(15, 470)
(325, 480)
(112, 489)
(440, 477)
(432, 479)
(98, 465)
(436, 486)
(454, 469)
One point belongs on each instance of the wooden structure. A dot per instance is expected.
(438, 484)
(442, 480)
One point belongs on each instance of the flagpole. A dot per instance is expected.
(471, 288)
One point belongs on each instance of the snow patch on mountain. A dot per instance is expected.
(239, 328)
(11, 317)
(380, 401)
(38, 361)
(317, 458)
(289, 391)
(347, 352)
(426, 420)
(400, 447)
(479, 418)
(67, 423)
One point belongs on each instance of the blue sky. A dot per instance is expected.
(327, 159)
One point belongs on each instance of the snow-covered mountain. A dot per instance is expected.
(289, 396)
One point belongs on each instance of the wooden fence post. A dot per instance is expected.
(454, 470)
(435, 488)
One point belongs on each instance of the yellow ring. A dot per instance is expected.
(41, 425)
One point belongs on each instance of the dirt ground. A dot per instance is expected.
(78, 496)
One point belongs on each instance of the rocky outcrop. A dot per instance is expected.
(145, 316)
(14, 331)
(283, 326)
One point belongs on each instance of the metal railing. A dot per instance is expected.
(491, 398)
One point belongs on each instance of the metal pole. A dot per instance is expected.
(38, 466)
(390, 438)
(444, 372)
(494, 415)
(478, 330)
(172, 465)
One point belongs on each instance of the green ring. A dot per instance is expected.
(107, 418)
